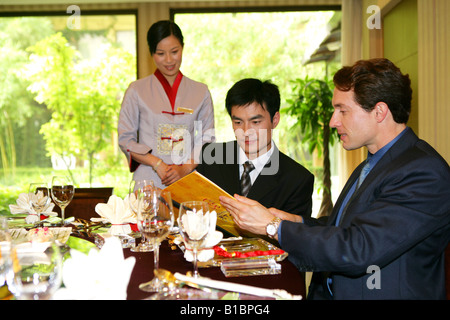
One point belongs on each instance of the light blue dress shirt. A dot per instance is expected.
(373, 160)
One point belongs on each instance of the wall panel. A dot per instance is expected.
(434, 71)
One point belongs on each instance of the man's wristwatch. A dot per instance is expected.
(272, 227)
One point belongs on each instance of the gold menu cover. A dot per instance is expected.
(196, 187)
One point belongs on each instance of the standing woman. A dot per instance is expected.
(166, 117)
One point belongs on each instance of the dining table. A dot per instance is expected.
(171, 258)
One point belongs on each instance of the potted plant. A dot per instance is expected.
(312, 107)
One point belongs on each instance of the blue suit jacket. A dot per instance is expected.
(398, 221)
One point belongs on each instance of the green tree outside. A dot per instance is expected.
(83, 95)
(79, 100)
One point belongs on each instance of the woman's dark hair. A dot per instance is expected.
(377, 80)
(160, 30)
(247, 91)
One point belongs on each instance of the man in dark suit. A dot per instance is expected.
(388, 231)
(276, 180)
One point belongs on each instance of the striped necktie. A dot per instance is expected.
(246, 183)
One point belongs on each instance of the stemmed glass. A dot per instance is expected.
(35, 274)
(193, 222)
(134, 189)
(62, 192)
(39, 197)
(155, 220)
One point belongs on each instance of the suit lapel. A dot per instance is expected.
(230, 171)
(353, 177)
(266, 180)
(262, 186)
(404, 143)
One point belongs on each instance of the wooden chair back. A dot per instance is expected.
(84, 201)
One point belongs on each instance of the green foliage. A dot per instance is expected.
(8, 195)
(50, 71)
(313, 109)
(16, 104)
(83, 95)
(222, 48)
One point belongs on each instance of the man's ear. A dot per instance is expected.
(381, 111)
(275, 120)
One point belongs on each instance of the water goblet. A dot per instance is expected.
(39, 198)
(136, 187)
(193, 222)
(36, 273)
(62, 192)
(155, 219)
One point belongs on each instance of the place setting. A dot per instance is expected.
(36, 207)
(82, 259)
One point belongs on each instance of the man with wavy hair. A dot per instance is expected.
(388, 231)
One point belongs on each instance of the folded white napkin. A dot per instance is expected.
(117, 212)
(194, 224)
(214, 237)
(100, 275)
(23, 206)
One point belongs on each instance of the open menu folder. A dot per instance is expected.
(196, 187)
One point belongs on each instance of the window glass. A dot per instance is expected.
(62, 85)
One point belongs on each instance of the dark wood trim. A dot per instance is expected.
(174, 11)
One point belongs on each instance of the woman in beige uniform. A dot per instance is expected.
(166, 117)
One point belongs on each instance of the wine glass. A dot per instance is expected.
(155, 219)
(134, 188)
(36, 273)
(39, 197)
(193, 222)
(62, 192)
